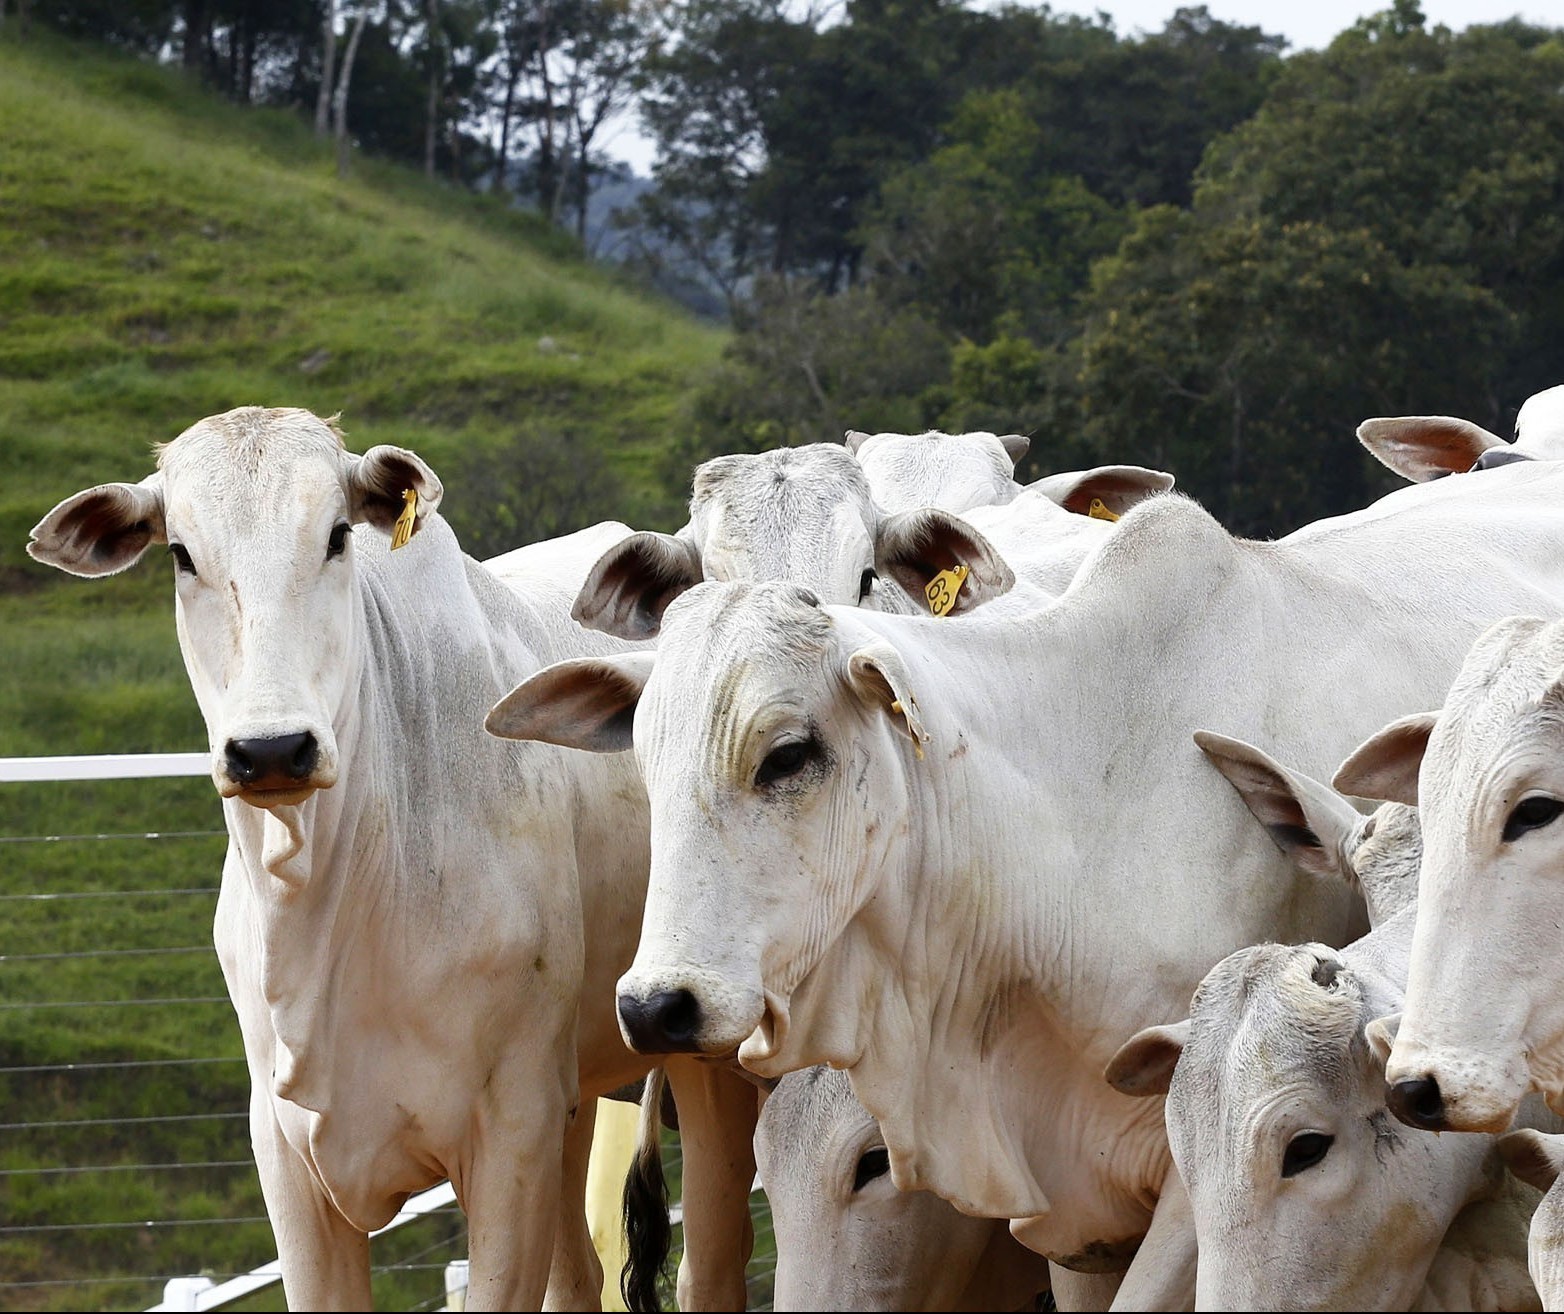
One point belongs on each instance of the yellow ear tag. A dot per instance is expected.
(941, 591)
(898, 710)
(403, 529)
(1098, 510)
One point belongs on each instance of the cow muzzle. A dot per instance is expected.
(273, 770)
(1453, 1092)
(684, 1015)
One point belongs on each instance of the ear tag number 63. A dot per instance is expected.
(941, 591)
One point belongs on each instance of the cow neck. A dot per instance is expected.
(333, 878)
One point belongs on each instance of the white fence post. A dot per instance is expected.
(456, 1284)
(184, 1293)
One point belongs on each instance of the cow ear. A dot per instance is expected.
(912, 547)
(879, 676)
(1145, 1062)
(1306, 821)
(378, 482)
(103, 530)
(631, 585)
(853, 439)
(1016, 446)
(1116, 487)
(1381, 1036)
(1385, 765)
(1424, 447)
(587, 702)
(1534, 1157)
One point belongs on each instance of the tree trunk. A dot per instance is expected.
(339, 99)
(507, 113)
(548, 156)
(436, 77)
(196, 20)
(328, 61)
(251, 29)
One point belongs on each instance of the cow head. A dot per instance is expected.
(1306, 1192)
(1483, 1020)
(631, 585)
(952, 471)
(257, 508)
(848, 1239)
(774, 737)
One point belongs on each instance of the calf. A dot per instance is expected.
(1305, 1192)
(848, 1239)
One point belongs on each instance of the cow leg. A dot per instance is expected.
(717, 1113)
(323, 1257)
(509, 1184)
(575, 1278)
(1162, 1274)
(1083, 1291)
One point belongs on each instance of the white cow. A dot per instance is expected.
(1306, 1193)
(1537, 1159)
(400, 922)
(966, 472)
(1484, 1019)
(1423, 447)
(807, 515)
(848, 1239)
(905, 846)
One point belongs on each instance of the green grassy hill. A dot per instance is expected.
(164, 256)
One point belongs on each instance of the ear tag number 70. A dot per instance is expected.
(941, 591)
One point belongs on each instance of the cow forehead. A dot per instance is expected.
(1539, 427)
(251, 458)
(809, 1112)
(1502, 701)
(928, 458)
(774, 490)
(1269, 1017)
(728, 651)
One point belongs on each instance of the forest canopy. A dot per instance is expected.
(1189, 248)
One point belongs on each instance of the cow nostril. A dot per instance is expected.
(279, 759)
(664, 1023)
(304, 756)
(240, 765)
(1419, 1103)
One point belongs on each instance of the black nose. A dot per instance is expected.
(664, 1024)
(272, 763)
(1418, 1103)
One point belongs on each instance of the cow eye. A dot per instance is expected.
(1304, 1151)
(337, 543)
(785, 760)
(181, 558)
(1531, 814)
(866, 583)
(874, 1163)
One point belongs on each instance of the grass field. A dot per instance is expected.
(164, 256)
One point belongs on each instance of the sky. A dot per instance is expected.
(1307, 25)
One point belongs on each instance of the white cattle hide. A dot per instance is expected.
(1536, 1158)
(1306, 1193)
(1423, 447)
(400, 918)
(1484, 1020)
(951, 471)
(903, 845)
(848, 1239)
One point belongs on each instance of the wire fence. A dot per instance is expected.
(125, 1161)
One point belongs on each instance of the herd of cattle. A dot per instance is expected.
(947, 799)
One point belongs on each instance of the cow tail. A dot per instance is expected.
(648, 1229)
